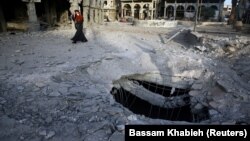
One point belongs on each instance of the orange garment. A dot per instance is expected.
(78, 18)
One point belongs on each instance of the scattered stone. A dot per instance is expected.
(60, 63)
(35, 89)
(21, 138)
(120, 127)
(194, 93)
(18, 62)
(63, 90)
(201, 48)
(54, 94)
(40, 84)
(138, 122)
(132, 117)
(224, 85)
(214, 104)
(49, 119)
(72, 119)
(93, 118)
(228, 123)
(198, 106)
(56, 79)
(91, 90)
(42, 133)
(2, 100)
(17, 51)
(115, 110)
(197, 86)
(231, 49)
(100, 135)
(213, 112)
(50, 134)
(22, 121)
(76, 90)
(20, 88)
(111, 100)
(116, 136)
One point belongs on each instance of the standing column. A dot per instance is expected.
(73, 6)
(122, 13)
(98, 4)
(152, 14)
(96, 15)
(221, 11)
(85, 12)
(3, 25)
(175, 7)
(92, 9)
(152, 10)
(141, 14)
(102, 15)
(132, 11)
(33, 22)
(165, 11)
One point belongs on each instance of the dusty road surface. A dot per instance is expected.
(51, 89)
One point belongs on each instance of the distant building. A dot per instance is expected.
(168, 9)
(110, 8)
(139, 9)
(227, 9)
(226, 12)
(244, 11)
(181, 9)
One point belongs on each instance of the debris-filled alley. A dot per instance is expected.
(51, 88)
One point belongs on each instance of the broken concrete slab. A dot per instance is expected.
(117, 136)
(196, 86)
(194, 93)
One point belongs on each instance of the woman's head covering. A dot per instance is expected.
(77, 11)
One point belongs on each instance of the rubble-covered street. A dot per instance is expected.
(51, 89)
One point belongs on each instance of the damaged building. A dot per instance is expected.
(170, 9)
(185, 9)
(35, 14)
(41, 14)
(139, 9)
(111, 10)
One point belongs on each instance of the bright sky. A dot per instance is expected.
(227, 2)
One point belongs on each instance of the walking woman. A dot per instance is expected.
(79, 35)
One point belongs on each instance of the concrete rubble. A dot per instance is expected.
(51, 89)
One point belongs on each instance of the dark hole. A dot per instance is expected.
(142, 107)
(139, 106)
(160, 89)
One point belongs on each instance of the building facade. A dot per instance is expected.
(168, 9)
(139, 9)
(185, 9)
(243, 9)
(111, 9)
(33, 14)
